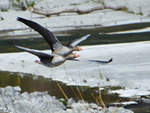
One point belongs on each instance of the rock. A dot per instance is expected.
(4, 5)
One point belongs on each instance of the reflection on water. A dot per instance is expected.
(30, 84)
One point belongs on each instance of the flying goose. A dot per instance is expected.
(55, 45)
(49, 60)
(53, 60)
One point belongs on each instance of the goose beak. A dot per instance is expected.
(76, 55)
(79, 48)
(37, 61)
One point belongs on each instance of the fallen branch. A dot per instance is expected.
(71, 10)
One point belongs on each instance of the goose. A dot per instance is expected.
(53, 60)
(55, 45)
(49, 60)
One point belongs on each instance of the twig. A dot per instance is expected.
(71, 10)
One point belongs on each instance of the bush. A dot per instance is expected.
(23, 4)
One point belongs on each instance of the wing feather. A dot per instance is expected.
(53, 42)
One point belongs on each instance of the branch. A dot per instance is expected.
(71, 10)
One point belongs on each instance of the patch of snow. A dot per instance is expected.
(59, 23)
(92, 108)
(125, 103)
(130, 61)
(131, 92)
(4, 4)
(51, 4)
(131, 31)
(12, 101)
(135, 6)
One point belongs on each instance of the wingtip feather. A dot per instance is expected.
(18, 18)
(110, 60)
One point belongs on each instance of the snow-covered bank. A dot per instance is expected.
(131, 31)
(130, 66)
(58, 23)
(111, 13)
(12, 101)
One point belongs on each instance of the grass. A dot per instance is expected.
(62, 91)
(78, 93)
(100, 93)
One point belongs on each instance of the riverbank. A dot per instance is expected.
(106, 14)
(125, 70)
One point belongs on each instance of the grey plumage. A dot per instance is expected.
(54, 43)
(79, 40)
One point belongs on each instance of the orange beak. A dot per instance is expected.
(76, 55)
(79, 48)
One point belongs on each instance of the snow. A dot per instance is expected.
(59, 23)
(131, 31)
(126, 103)
(13, 101)
(134, 6)
(4, 5)
(129, 69)
(131, 92)
(107, 16)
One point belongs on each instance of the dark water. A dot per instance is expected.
(36, 42)
(30, 83)
(140, 108)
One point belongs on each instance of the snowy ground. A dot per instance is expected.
(12, 101)
(129, 69)
(59, 23)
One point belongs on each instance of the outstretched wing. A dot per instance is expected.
(36, 52)
(53, 42)
(79, 40)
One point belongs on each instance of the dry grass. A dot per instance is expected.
(62, 91)
(100, 93)
(77, 93)
(98, 99)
